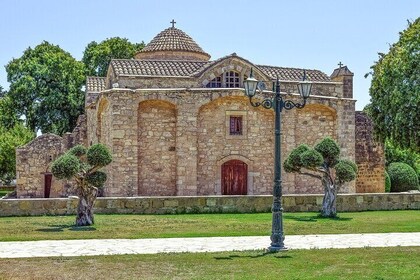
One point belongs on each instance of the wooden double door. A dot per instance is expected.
(234, 178)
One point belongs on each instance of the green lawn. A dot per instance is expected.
(198, 225)
(366, 263)
(3, 193)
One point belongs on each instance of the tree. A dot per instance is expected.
(322, 162)
(83, 165)
(10, 139)
(8, 116)
(97, 57)
(395, 154)
(46, 87)
(395, 91)
(2, 92)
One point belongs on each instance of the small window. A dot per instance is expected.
(215, 83)
(232, 79)
(235, 125)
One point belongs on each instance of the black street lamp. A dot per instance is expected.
(277, 103)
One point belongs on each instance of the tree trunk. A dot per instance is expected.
(87, 197)
(329, 205)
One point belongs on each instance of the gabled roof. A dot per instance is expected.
(294, 74)
(341, 71)
(137, 67)
(188, 68)
(95, 84)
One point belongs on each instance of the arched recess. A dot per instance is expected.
(313, 123)
(156, 148)
(102, 120)
(319, 119)
(214, 142)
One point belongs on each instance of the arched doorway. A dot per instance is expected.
(234, 177)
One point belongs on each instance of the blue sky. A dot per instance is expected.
(304, 34)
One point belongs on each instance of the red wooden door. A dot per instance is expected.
(47, 184)
(234, 178)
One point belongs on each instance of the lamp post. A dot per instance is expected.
(278, 104)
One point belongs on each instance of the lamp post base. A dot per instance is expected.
(274, 249)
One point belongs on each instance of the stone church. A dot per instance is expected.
(178, 123)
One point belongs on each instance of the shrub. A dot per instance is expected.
(78, 150)
(96, 179)
(344, 172)
(295, 155)
(403, 177)
(98, 155)
(66, 166)
(329, 149)
(311, 158)
(387, 182)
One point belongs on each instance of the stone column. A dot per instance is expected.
(121, 133)
(345, 135)
(186, 149)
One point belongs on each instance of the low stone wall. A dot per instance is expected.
(208, 204)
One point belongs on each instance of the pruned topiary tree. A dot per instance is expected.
(323, 162)
(83, 165)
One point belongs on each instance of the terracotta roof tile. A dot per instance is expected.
(95, 84)
(173, 39)
(294, 74)
(155, 67)
(185, 68)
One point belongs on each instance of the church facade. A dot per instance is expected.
(178, 123)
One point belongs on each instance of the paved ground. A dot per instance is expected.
(211, 244)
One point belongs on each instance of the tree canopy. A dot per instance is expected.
(82, 164)
(319, 163)
(46, 87)
(395, 91)
(97, 57)
(10, 139)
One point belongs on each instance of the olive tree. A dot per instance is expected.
(83, 165)
(323, 162)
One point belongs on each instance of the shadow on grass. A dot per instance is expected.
(274, 254)
(315, 218)
(61, 228)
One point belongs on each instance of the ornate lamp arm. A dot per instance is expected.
(266, 103)
(289, 104)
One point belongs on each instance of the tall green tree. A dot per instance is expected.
(8, 115)
(2, 92)
(10, 139)
(46, 87)
(395, 91)
(97, 57)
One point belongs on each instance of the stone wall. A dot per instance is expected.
(210, 204)
(370, 157)
(33, 162)
(157, 158)
(173, 142)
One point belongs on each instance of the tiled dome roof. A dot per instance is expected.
(171, 41)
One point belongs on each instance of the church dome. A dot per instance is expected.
(173, 44)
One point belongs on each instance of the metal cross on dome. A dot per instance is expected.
(173, 23)
(340, 64)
